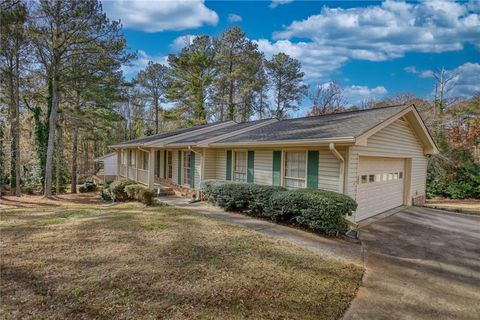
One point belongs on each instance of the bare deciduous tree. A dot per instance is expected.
(327, 99)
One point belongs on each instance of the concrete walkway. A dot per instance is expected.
(335, 248)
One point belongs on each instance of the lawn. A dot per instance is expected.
(77, 258)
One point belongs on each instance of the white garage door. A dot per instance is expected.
(380, 185)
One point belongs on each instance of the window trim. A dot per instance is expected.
(169, 169)
(234, 167)
(183, 168)
(284, 158)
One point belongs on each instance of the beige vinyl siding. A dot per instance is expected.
(210, 164)
(262, 169)
(396, 140)
(221, 164)
(329, 170)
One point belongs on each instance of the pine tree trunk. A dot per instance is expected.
(58, 165)
(156, 116)
(51, 136)
(17, 125)
(73, 185)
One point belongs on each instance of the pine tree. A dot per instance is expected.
(286, 79)
(191, 76)
(13, 17)
(153, 83)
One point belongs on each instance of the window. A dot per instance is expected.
(133, 156)
(143, 160)
(390, 176)
(363, 179)
(395, 176)
(400, 175)
(240, 166)
(371, 178)
(378, 177)
(124, 157)
(186, 167)
(384, 178)
(295, 167)
(169, 165)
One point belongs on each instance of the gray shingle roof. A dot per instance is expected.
(218, 132)
(346, 124)
(164, 135)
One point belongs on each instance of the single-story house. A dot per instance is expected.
(107, 168)
(376, 156)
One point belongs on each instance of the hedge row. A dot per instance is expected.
(124, 190)
(319, 210)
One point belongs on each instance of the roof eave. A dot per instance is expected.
(297, 142)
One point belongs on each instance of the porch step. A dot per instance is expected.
(165, 191)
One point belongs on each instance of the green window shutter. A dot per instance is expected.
(228, 176)
(312, 170)
(192, 169)
(250, 165)
(179, 175)
(276, 168)
(164, 164)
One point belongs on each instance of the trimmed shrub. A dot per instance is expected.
(88, 186)
(117, 190)
(260, 198)
(232, 196)
(146, 196)
(319, 210)
(105, 194)
(133, 190)
(210, 189)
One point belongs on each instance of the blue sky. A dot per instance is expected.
(374, 49)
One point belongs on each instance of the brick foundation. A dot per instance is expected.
(418, 201)
(180, 190)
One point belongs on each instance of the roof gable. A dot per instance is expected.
(414, 119)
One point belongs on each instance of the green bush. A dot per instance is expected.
(117, 190)
(319, 210)
(232, 196)
(146, 196)
(133, 190)
(88, 186)
(210, 189)
(259, 198)
(105, 194)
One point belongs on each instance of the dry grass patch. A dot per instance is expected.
(468, 206)
(80, 261)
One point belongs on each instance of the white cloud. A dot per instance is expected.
(376, 33)
(180, 42)
(157, 16)
(355, 95)
(318, 62)
(131, 70)
(420, 73)
(467, 80)
(232, 17)
(276, 3)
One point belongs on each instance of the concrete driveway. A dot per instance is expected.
(420, 264)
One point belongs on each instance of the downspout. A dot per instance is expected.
(337, 155)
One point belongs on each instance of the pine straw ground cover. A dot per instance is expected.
(76, 258)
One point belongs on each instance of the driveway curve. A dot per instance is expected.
(420, 264)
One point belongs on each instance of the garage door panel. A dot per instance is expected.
(380, 185)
